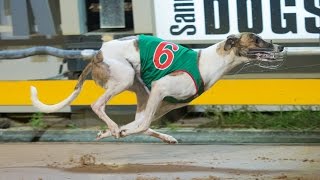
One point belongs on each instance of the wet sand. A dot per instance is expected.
(157, 161)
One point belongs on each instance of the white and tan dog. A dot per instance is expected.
(116, 67)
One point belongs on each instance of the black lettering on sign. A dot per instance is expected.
(256, 10)
(311, 21)
(209, 11)
(184, 17)
(177, 30)
(183, 7)
(290, 18)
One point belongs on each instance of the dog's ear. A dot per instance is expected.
(230, 42)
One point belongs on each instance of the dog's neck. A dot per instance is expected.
(214, 63)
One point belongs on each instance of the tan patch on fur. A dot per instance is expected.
(100, 73)
(98, 58)
(199, 55)
(220, 49)
(245, 41)
(142, 106)
(83, 75)
(136, 45)
(156, 135)
(96, 66)
(176, 73)
(100, 70)
(142, 95)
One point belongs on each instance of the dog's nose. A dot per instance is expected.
(280, 48)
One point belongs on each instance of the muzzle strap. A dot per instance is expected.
(267, 58)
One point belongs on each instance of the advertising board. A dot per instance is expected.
(191, 21)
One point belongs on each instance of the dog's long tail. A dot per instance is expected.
(55, 107)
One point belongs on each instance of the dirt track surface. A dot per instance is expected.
(157, 161)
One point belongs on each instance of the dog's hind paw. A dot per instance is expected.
(170, 140)
(127, 132)
(123, 133)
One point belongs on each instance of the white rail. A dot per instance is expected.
(303, 51)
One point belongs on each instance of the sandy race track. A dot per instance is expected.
(42, 161)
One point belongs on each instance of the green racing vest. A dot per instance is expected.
(160, 58)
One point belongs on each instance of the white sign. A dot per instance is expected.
(212, 20)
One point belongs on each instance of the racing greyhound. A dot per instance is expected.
(163, 75)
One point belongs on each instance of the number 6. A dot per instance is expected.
(163, 50)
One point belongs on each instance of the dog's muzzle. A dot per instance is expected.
(269, 58)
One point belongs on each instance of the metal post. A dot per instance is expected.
(43, 17)
(20, 18)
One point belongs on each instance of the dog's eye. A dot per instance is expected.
(257, 40)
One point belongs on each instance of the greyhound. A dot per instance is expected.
(163, 75)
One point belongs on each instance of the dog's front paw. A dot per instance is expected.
(116, 133)
(103, 134)
(108, 133)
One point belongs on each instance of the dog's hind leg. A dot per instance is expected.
(165, 107)
(142, 99)
(179, 86)
(120, 78)
(144, 119)
(163, 137)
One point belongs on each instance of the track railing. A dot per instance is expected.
(88, 53)
(47, 50)
(224, 92)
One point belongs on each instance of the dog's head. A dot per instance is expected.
(249, 47)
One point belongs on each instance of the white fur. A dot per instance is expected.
(51, 108)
